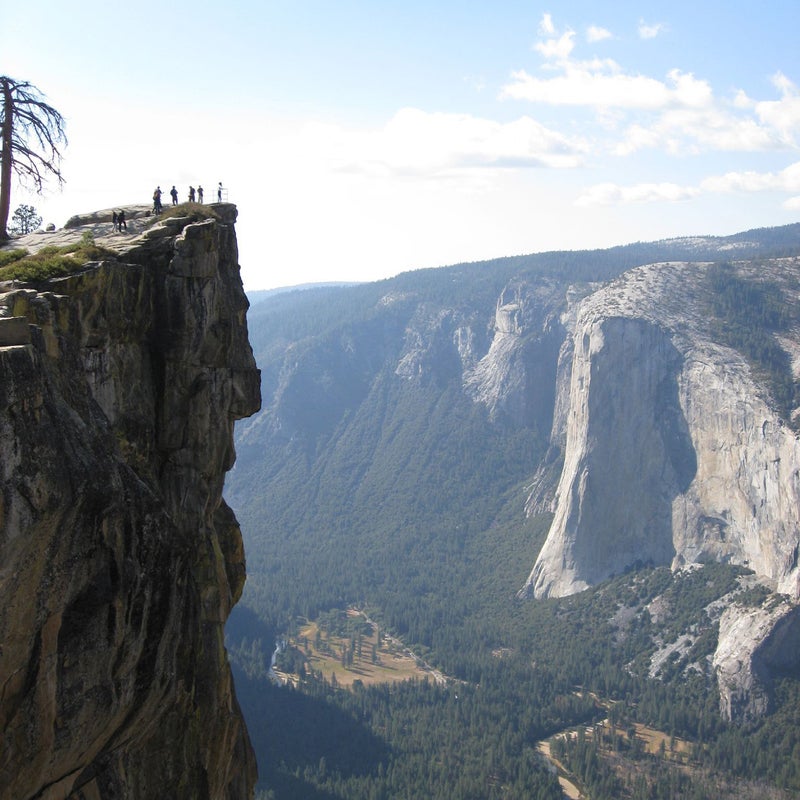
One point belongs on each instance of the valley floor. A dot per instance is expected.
(369, 656)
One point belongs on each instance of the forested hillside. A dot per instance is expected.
(378, 478)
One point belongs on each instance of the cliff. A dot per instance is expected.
(119, 559)
(442, 440)
(674, 452)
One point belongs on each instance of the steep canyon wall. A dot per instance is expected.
(666, 446)
(673, 452)
(119, 559)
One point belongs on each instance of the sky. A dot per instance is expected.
(360, 139)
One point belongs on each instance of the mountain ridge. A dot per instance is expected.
(498, 344)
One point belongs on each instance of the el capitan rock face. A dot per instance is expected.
(119, 559)
(673, 454)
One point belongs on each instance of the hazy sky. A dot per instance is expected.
(362, 139)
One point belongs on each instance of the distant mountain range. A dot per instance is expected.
(257, 295)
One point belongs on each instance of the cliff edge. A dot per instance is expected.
(119, 559)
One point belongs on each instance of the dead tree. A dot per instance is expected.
(31, 135)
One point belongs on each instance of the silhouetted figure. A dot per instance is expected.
(157, 207)
(191, 194)
(199, 194)
(174, 193)
(219, 192)
(121, 221)
(115, 220)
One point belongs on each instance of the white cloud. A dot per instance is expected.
(690, 91)
(787, 180)
(695, 130)
(782, 115)
(607, 194)
(554, 46)
(649, 30)
(749, 181)
(594, 33)
(599, 83)
(603, 85)
(546, 27)
(415, 143)
(678, 114)
(638, 137)
(783, 84)
(741, 100)
(558, 49)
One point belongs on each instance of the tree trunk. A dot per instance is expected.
(7, 160)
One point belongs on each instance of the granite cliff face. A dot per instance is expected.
(515, 379)
(754, 645)
(119, 559)
(674, 454)
(665, 448)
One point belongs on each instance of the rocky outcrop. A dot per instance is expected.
(119, 559)
(755, 644)
(673, 453)
(515, 379)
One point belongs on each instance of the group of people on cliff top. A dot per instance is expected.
(195, 196)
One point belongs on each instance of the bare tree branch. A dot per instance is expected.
(31, 137)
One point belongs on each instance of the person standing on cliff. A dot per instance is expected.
(191, 194)
(174, 194)
(121, 221)
(200, 195)
(157, 207)
(115, 220)
(219, 192)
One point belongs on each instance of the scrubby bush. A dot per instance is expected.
(51, 261)
(10, 256)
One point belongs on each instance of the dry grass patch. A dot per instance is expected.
(374, 658)
(653, 741)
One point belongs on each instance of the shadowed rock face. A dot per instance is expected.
(515, 380)
(119, 559)
(755, 645)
